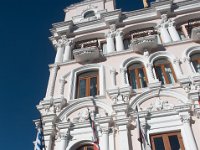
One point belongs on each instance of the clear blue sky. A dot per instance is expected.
(25, 55)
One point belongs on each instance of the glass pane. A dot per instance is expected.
(82, 88)
(159, 145)
(133, 79)
(93, 86)
(174, 143)
(126, 43)
(159, 74)
(90, 148)
(142, 78)
(170, 76)
(196, 66)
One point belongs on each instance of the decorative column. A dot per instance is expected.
(173, 32)
(63, 141)
(60, 51)
(68, 50)
(105, 138)
(119, 40)
(49, 129)
(164, 34)
(185, 31)
(150, 75)
(122, 121)
(63, 82)
(177, 68)
(123, 135)
(124, 72)
(189, 138)
(113, 77)
(162, 28)
(110, 42)
(54, 75)
(112, 139)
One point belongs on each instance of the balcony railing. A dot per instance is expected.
(142, 44)
(87, 54)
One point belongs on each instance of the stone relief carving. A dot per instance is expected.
(160, 105)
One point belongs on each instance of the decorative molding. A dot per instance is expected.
(159, 105)
(185, 118)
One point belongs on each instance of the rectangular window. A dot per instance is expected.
(87, 84)
(167, 141)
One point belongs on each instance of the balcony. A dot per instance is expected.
(142, 44)
(87, 54)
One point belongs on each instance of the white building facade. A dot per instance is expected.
(122, 69)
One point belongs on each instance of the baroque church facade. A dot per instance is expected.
(117, 73)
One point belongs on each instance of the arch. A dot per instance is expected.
(131, 60)
(82, 104)
(188, 52)
(155, 93)
(86, 68)
(90, 36)
(88, 14)
(158, 55)
(185, 18)
(138, 26)
(187, 56)
(76, 144)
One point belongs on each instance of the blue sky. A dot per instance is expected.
(25, 55)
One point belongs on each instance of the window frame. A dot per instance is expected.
(162, 66)
(136, 72)
(166, 141)
(88, 76)
(195, 59)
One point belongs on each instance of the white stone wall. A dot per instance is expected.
(162, 108)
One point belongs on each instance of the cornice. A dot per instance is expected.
(124, 18)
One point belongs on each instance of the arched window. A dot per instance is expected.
(87, 84)
(137, 76)
(89, 14)
(87, 147)
(164, 71)
(195, 59)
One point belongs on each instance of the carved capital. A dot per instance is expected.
(110, 35)
(171, 23)
(60, 43)
(119, 33)
(123, 70)
(176, 61)
(113, 71)
(185, 118)
(105, 130)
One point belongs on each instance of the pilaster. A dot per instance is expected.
(188, 138)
